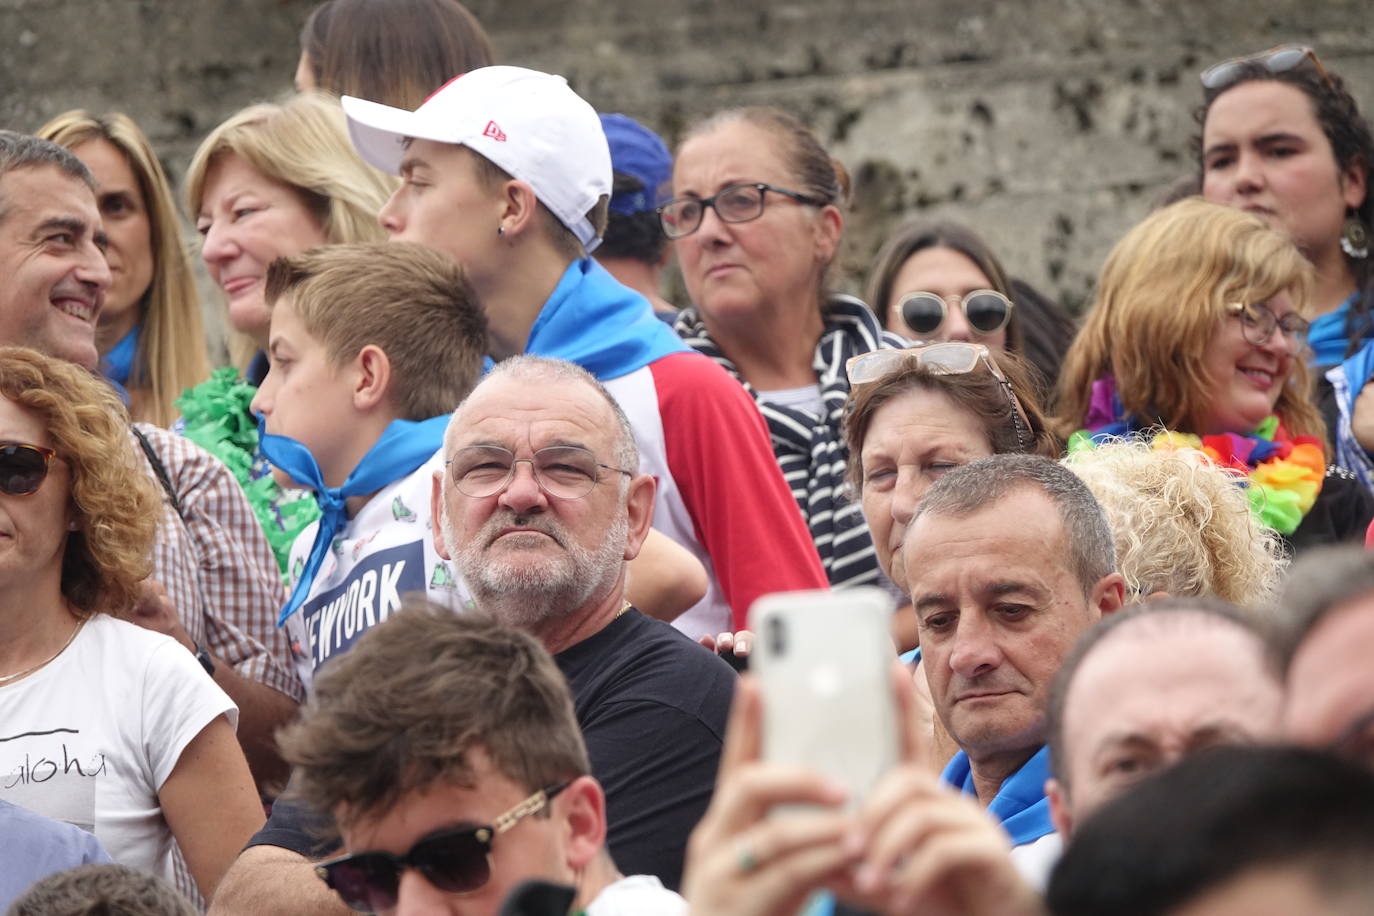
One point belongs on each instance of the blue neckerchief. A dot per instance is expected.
(1020, 804)
(119, 362)
(404, 446)
(1347, 382)
(602, 326)
(1328, 336)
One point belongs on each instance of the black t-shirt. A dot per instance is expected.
(653, 706)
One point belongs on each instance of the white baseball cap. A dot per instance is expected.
(530, 124)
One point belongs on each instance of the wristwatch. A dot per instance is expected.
(204, 658)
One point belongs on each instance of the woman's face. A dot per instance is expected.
(1245, 380)
(912, 439)
(1264, 152)
(771, 264)
(33, 528)
(124, 214)
(949, 274)
(247, 221)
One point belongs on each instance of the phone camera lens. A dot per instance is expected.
(777, 635)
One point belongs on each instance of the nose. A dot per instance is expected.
(390, 215)
(262, 402)
(905, 495)
(975, 652)
(956, 326)
(713, 230)
(1249, 173)
(523, 493)
(218, 246)
(94, 269)
(415, 896)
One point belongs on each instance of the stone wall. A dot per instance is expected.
(1048, 125)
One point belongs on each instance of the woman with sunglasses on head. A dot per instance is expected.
(150, 334)
(756, 219)
(1197, 341)
(105, 724)
(1283, 138)
(914, 414)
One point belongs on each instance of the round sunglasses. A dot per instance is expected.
(986, 311)
(456, 861)
(23, 468)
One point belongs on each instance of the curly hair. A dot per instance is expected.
(1162, 295)
(116, 504)
(1182, 525)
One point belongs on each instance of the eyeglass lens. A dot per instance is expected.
(1260, 325)
(738, 204)
(22, 469)
(566, 472)
(455, 862)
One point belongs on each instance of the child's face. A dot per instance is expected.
(305, 397)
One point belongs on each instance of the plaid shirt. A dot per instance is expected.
(217, 567)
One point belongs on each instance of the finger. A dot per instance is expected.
(744, 731)
(744, 643)
(792, 856)
(908, 720)
(744, 800)
(725, 642)
(969, 871)
(907, 833)
(708, 641)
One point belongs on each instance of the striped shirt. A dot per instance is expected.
(809, 447)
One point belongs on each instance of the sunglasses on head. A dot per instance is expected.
(949, 358)
(986, 311)
(23, 468)
(457, 861)
(1279, 59)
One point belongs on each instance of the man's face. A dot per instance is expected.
(551, 555)
(53, 274)
(537, 846)
(443, 204)
(1330, 702)
(998, 608)
(1153, 692)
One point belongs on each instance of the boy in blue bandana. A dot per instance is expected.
(372, 347)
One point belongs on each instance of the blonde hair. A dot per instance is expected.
(115, 502)
(413, 303)
(1181, 524)
(172, 353)
(303, 143)
(1163, 291)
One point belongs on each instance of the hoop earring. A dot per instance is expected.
(1355, 238)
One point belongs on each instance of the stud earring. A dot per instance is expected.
(1354, 237)
(501, 231)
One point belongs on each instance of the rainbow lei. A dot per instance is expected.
(1283, 473)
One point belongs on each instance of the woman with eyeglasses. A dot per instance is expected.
(1197, 341)
(103, 724)
(1283, 138)
(756, 220)
(914, 414)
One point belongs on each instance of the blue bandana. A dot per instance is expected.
(404, 446)
(1328, 337)
(119, 362)
(1020, 804)
(602, 326)
(1348, 381)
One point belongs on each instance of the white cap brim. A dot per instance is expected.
(379, 132)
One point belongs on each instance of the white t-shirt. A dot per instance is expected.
(90, 738)
(385, 552)
(637, 895)
(807, 397)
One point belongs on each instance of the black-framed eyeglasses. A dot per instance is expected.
(948, 358)
(562, 471)
(1258, 324)
(23, 468)
(1279, 59)
(738, 203)
(457, 861)
(986, 311)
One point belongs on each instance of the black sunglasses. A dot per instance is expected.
(986, 311)
(457, 861)
(23, 468)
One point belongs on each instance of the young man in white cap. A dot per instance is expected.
(508, 170)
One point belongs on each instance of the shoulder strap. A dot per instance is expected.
(159, 469)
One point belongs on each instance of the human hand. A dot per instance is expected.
(738, 644)
(154, 610)
(740, 862)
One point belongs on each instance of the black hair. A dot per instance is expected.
(637, 236)
(1215, 817)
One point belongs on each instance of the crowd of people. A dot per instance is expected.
(434, 596)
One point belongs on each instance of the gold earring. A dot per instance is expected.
(1354, 237)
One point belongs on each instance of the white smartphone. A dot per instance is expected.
(823, 660)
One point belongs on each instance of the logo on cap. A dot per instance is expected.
(494, 132)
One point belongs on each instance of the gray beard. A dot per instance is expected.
(528, 595)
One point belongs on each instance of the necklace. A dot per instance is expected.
(6, 678)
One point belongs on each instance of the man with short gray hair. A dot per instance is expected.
(1008, 559)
